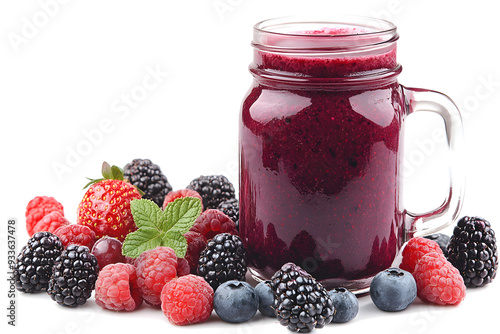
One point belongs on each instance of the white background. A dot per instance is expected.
(68, 67)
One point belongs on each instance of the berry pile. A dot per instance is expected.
(136, 241)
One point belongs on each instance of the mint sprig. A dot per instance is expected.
(161, 228)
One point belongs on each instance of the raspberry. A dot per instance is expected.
(51, 222)
(438, 281)
(187, 300)
(442, 240)
(76, 234)
(155, 268)
(173, 195)
(37, 208)
(212, 222)
(415, 249)
(196, 244)
(183, 267)
(116, 288)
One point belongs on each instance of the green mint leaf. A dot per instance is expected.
(137, 242)
(176, 241)
(146, 213)
(149, 219)
(161, 228)
(182, 213)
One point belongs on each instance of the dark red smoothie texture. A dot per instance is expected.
(319, 178)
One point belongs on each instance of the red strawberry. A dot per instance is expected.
(105, 207)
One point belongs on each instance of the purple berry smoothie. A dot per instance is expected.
(320, 167)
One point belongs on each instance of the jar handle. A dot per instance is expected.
(417, 99)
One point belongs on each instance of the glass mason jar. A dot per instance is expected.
(321, 151)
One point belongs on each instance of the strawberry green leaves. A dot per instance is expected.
(161, 228)
(110, 173)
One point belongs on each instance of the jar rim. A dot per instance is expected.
(338, 32)
(357, 20)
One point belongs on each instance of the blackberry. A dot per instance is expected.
(300, 302)
(442, 240)
(34, 263)
(147, 176)
(231, 208)
(473, 251)
(223, 259)
(73, 276)
(214, 189)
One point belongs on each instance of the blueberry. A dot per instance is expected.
(393, 289)
(345, 303)
(266, 299)
(442, 240)
(235, 301)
